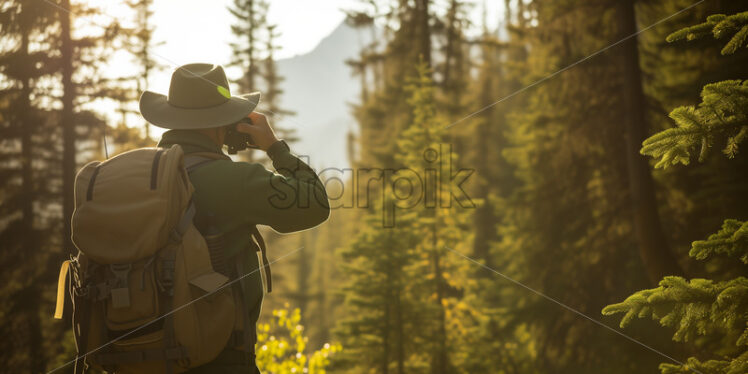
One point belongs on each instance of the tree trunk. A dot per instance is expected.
(448, 54)
(386, 318)
(400, 330)
(424, 30)
(251, 71)
(484, 218)
(27, 186)
(394, 288)
(440, 359)
(37, 362)
(653, 247)
(68, 124)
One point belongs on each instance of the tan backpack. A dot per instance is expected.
(146, 297)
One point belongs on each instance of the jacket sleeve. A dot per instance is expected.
(289, 200)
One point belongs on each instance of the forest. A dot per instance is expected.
(592, 216)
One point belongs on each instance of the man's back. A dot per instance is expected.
(236, 196)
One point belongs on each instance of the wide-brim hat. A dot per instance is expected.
(199, 98)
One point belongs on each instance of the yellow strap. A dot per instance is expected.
(61, 289)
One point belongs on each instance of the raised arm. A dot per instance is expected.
(290, 200)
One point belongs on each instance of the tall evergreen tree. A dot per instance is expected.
(379, 331)
(254, 54)
(23, 23)
(653, 246)
(43, 58)
(716, 310)
(693, 200)
(140, 45)
(272, 91)
(67, 120)
(566, 227)
(438, 222)
(250, 21)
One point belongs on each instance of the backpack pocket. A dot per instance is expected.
(203, 302)
(133, 297)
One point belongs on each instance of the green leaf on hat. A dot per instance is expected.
(223, 91)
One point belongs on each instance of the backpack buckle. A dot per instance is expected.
(120, 291)
(168, 267)
(82, 292)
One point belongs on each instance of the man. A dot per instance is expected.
(235, 196)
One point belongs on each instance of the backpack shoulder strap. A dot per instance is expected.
(194, 161)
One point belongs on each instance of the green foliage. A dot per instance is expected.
(712, 315)
(723, 112)
(281, 346)
(720, 26)
(253, 53)
(724, 107)
(699, 307)
(437, 225)
(693, 307)
(403, 292)
(737, 366)
(731, 240)
(376, 265)
(566, 229)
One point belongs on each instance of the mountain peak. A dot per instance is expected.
(319, 88)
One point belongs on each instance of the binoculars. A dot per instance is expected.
(237, 140)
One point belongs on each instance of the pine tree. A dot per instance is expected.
(272, 81)
(250, 21)
(406, 39)
(721, 113)
(82, 81)
(493, 175)
(67, 120)
(455, 68)
(140, 45)
(37, 61)
(440, 215)
(718, 116)
(256, 38)
(272, 90)
(653, 246)
(555, 210)
(693, 200)
(379, 331)
(712, 314)
(565, 226)
(496, 338)
(24, 25)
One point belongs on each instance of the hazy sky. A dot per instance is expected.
(199, 31)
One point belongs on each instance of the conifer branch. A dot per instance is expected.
(723, 114)
(720, 26)
(731, 240)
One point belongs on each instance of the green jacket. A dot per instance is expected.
(240, 195)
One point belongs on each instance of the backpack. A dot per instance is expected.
(147, 297)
